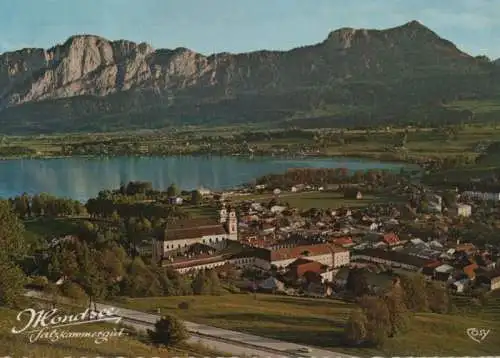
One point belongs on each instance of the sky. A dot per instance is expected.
(242, 25)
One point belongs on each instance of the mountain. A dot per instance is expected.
(354, 76)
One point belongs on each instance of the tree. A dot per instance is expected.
(378, 318)
(415, 292)
(356, 282)
(169, 331)
(201, 284)
(89, 277)
(196, 197)
(141, 281)
(11, 232)
(439, 300)
(68, 263)
(172, 190)
(398, 312)
(12, 281)
(355, 331)
(215, 286)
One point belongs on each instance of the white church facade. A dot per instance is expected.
(197, 231)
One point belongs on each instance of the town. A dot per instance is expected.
(311, 252)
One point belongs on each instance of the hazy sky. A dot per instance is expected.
(242, 25)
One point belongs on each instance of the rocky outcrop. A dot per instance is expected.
(90, 69)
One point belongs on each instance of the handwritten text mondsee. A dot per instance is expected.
(38, 320)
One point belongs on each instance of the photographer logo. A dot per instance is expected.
(477, 334)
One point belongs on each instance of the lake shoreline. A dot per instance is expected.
(350, 156)
(82, 177)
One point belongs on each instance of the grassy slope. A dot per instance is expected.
(320, 322)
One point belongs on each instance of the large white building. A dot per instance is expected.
(477, 195)
(210, 232)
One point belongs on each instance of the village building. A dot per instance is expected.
(463, 210)
(477, 195)
(308, 271)
(391, 258)
(203, 231)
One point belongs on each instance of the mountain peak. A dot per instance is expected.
(414, 23)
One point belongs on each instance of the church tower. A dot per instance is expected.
(223, 215)
(232, 225)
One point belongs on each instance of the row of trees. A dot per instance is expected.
(29, 206)
(385, 315)
(12, 250)
(323, 176)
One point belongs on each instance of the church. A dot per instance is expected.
(211, 232)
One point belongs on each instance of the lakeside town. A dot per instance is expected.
(311, 252)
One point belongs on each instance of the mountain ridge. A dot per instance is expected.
(88, 77)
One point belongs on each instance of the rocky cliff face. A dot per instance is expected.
(90, 68)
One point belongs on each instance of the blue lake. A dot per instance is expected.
(82, 178)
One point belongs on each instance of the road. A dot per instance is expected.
(265, 345)
(222, 340)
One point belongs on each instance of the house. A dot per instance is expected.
(204, 231)
(341, 256)
(429, 269)
(272, 284)
(443, 272)
(308, 270)
(391, 239)
(463, 210)
(175, 200)
(285, 255)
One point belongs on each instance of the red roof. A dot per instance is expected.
(433, 264)
(342, 241)
(300, 266)
(391, 238)
(298, 251)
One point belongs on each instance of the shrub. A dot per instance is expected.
(183, 305)
(169, 331)
(73, 291)
(39, 282)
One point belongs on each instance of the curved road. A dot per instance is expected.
(222, 340)
(235, 341)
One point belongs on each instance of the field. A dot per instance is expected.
(319, 322)
(376, 143)
(315, 199)
(126, 345)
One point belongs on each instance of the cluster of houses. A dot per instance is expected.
(288, 249)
